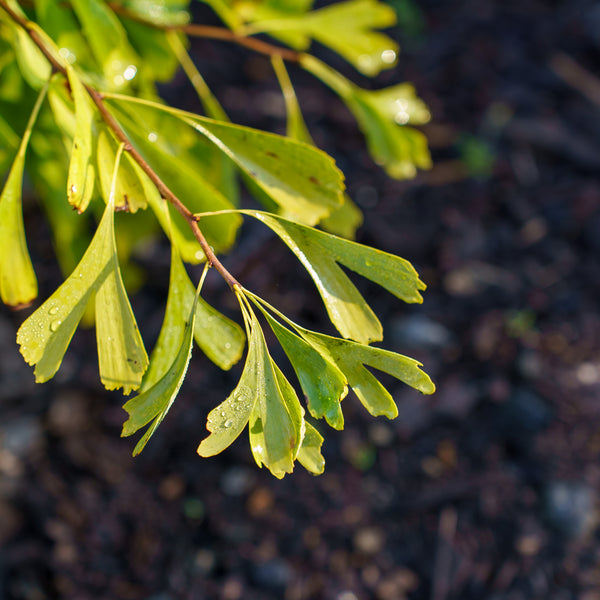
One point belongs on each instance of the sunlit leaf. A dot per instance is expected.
(155, 401)
(320, 252)
(130, 191)
(299, 178)
(266, 401)
(346, 27)
(353, 358)
(178, 171)
(310, 456)
(46, 334)
(162, 12)
(80, 182)
(18, 284)
(323, 384)
(108, 41)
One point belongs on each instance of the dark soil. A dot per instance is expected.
(487, 489)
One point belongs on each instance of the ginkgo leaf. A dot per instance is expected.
(163, 12)
(108, 42)
(299, 178)
(310, 456)
(323, 384)
(155, 401)
(130, 191)
(33, 65)
(18, 284)
(346, 27)
(185, 181)
(352, 359)
(265, 401)
(401, 150)
(46, 334)
(221, 339)
(276, 423)
(228, 419)
(320, 252)
(80, 181)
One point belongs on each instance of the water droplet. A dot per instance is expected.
(227, 346)
(388, 56)
(152, 137)
(55, 325)
(228, 423)
(53, 310)
(222, 413)
(73, 189)
(130, 72)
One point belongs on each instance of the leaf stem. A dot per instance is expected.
(112, 123)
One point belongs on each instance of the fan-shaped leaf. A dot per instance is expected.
(310, 456)
(320, 252)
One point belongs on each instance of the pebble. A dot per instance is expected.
(570, 508)
(419, 331)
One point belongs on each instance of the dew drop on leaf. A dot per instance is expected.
(388, 56)
(228, 423)
(53, 310)
(55, 325)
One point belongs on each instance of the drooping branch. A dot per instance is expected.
(112, 123)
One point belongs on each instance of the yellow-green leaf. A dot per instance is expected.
(46, 334)
(352, 358)
(320, 252)
(80, 181)
(155, 401)
(310, 456)
(323, 384)
(18, 284)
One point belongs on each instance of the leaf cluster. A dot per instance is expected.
(80, 112)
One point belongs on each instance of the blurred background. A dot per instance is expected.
(487, 489)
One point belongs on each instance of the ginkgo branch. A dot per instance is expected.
(112, 123)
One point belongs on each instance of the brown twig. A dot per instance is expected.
(214, 33)
(112, 123)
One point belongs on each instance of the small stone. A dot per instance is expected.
(369, 540)
(570, 508)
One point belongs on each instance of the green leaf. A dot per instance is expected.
(345, 27)
(80, 182)
(220, 339)
(108, 40)
(352, 358)
(381, 115)
(310, 456)
(162, 12)
(18, 284)
(299, 178)
(264, 399)
(155, 401)
(323, 384)
(46, 334)
(320, 252)
(130, 191)
(400, 149)
(178, 170)
(58, 21)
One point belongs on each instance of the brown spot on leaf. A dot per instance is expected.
(271, 154)
(314, 180)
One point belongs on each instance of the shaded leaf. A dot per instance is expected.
(155, 401)
(320, 252)
(221, 339)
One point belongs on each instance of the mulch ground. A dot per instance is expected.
(487, 489)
